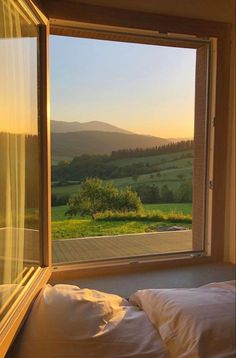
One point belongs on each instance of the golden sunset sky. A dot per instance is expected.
(142, 88)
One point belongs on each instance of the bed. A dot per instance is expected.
(66, 321)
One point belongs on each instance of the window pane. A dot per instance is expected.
(19, 161)
(123, 149)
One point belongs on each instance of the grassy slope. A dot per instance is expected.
(167, 175)
(154, 159)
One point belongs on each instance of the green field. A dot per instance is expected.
(64, 228)
(185, 208)
(154, 159)
(168, 176)
(86, 228)
(171, 169)
(58, 212)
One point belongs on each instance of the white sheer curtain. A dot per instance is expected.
(18, 121)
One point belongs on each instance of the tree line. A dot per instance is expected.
(148, 194)
(105, 166)
(145, 152)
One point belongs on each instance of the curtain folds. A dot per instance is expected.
(18, 146)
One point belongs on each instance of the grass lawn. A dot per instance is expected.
(86, 227)
(185, 208)
(64, 228)
(58, 212)
(152, 160)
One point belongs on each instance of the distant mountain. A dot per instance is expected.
(69, 145)
(65, 127)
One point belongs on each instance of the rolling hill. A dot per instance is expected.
(66, 127)
(69, 145)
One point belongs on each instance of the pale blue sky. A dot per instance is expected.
(143, 88)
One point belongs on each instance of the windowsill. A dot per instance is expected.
(125, 283)
(126, 266)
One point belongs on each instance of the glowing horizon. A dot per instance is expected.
(144, 89)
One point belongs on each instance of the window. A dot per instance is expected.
(21, 187)
(130, 121)
(24, 89)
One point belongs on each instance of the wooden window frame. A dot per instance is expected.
(63, 19)
(105, 16)
(13, 318)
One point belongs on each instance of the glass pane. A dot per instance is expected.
(123, 149)
(19, 161)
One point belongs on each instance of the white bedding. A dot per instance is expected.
(67, 321)
(193, 323)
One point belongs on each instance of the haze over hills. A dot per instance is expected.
(179, 139)
(70, 139)
(69, 145)
(66, 127)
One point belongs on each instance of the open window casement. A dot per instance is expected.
(24, 174)
(25, 247)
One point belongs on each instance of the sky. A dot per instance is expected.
(145, 89)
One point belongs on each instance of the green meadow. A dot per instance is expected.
(170, 169)
(64, 228)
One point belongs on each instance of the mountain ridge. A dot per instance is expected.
(75, 126)
(72, 144)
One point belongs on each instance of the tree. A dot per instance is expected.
(128, 200)
(167, 195)
(96, 196)
(149, 194)
(184, 193)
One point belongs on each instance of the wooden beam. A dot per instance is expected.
(75, 11)
(220, 148)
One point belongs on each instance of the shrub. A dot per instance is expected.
(96, 196)
(152, 216)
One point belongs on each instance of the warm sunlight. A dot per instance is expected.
(18, 91)
(122, 148)
(144, 89)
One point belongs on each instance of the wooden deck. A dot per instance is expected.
(104, 247)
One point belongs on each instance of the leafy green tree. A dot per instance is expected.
(96, 196)
(167, 195)
(148, 193)
(184, 193)
(128, 200)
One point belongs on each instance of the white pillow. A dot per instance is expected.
(66, 321)
(197, 322)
